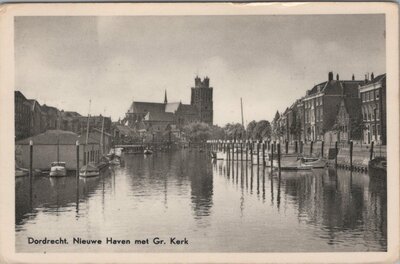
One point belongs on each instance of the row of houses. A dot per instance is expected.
(337, 110)
(32, 118)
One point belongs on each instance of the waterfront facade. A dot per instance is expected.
(22, 116)
(54, 145)
(336, 109)
(31, 119)
(322, 102)
(373, 107)
(349, 121)
(158, 116)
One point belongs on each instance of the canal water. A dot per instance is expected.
(216, 206)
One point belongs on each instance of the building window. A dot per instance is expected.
(377, 113)
(364, 113)
(377, 94)
(363, 97)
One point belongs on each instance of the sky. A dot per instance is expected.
(269, 61)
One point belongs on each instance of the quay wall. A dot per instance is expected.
(361, 152)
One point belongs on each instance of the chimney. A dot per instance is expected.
(352, 77)
(337, 76)
(330, 76)
(372, 76)
(366, 79)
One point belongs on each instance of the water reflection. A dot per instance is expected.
(215, 204)
(339, 203)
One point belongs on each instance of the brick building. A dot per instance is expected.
(22, 116)
(94, 122)
(321, 105)
(37, 120)
(70, 121)
(52, 117)
(349, 120)
(373, 107)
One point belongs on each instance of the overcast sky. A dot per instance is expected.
(269, 61)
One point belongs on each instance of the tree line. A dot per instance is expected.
(200, 132)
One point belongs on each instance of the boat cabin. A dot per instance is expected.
(58, 163)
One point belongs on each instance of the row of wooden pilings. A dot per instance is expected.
(274, 148)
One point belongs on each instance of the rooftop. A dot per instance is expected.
(54, 137)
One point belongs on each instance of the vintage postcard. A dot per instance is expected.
(182, 132)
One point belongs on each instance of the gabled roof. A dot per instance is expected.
(19, 94)
(378, 78)
(54, 137)
(125, 130)
(159, 116)
(144, 107)
(336, 87)
(188, 108)
(34, 104)
(48, 109)
(99, 131)
(172, 107)
(71, 114)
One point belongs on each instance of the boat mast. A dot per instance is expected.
(87, 126)
(58, 149)
(241, 108)
(101, 136)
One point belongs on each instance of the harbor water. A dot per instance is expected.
(217, 206)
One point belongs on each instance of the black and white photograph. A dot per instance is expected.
(218, 133)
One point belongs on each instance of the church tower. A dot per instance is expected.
(202, 99)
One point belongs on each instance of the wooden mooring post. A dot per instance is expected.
(296, 147)
(311, 147)
(247, 151)
(301, 146)
(241, 150)
(251, 152)
(77, 159)
(263, 153)
(258, 153)
(279, 156)
(237, 151)
(336, 153)
(322, 149)
(30, 158)
(371, 151)
(286, 146)
(351, 155)
(272, 156)
(233, 151)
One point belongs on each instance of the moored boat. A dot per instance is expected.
(58, 169)
(19, 172)
(293, 165)
(377, 167)
(316, 163)
(147, 152)
(217, 155)
(116, 161)
(89, 170)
